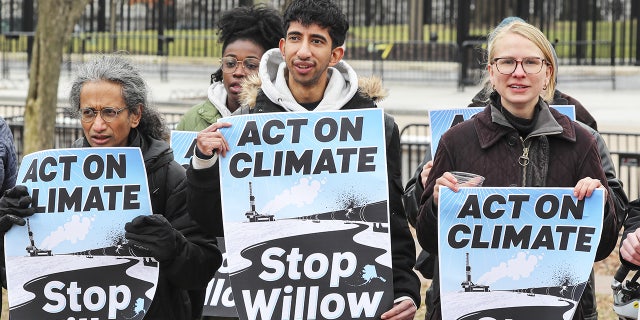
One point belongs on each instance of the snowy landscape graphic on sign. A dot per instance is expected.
(516, 253)
(71, 259)
(305, 212)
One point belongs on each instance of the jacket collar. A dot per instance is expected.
(491, 125)
(217, 95)
(343, 85)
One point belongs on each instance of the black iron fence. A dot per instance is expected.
(67, 127)
(440, 32)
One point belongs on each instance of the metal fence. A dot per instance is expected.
(440, 40)
(67, 128)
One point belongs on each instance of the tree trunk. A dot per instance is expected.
(56, 19)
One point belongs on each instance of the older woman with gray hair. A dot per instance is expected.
(111, 99)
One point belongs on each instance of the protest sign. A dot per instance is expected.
(182, 144)
(516, 253)
(305, 208)
(77, 264)
(443, 119)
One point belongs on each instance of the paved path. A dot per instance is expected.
(409, 102)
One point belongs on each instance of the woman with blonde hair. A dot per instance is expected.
(517, 140)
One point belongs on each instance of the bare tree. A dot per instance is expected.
(56, 19)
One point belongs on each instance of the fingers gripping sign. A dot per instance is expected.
(585, 186)
(211, 140)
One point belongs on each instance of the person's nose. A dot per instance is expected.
(519, 71)
(98, 124)
(303, 51)
(239, 71)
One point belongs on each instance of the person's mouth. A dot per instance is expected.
(303, 67)
(100, 139)
(235, 87)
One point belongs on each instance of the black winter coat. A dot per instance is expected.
(187, 275)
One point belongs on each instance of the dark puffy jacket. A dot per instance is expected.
(187, 275)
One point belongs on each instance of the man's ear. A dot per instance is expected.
(281, 46)
(336, 55)
(136, 115)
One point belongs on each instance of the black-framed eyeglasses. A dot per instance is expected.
(107, 114)
(530, 65)
(230, 64)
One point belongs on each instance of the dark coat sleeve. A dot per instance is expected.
(413, 190)
(8, 175)
(8, 158)
(198, 255)
(427, 220)
(403, 250)
(616, 190)
(203, 198)
(592, 166)
(631, 224)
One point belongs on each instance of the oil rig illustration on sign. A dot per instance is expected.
(31, 248)
(252, 214)
(468, 285)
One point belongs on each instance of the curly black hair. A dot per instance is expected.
(260, 24)
(324, 13)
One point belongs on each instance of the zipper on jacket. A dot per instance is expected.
(524, 160)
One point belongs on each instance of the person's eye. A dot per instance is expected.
(231, 63)
(507, 62)
(532, 62)
(293, 38)
(251, 64)
(109, 112)
(86, 112)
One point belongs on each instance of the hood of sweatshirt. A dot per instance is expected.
(218, 97)
(343, 85)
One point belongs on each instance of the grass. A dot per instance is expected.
(203, 43)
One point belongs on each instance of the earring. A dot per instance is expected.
(545, 87)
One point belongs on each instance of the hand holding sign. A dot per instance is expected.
(15, 204)
(210, 139)
(153, 236)
(454, 180)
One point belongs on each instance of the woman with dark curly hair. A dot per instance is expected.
(245, 33)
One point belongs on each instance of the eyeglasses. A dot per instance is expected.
(530, 65)
(107, 114)
(230, 64)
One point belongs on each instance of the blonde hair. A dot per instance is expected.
(534, 35)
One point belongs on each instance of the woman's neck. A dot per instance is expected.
(520, 110)
(232, 104)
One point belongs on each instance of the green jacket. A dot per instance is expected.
(199, 117)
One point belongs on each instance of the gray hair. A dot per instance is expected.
(116, 68)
